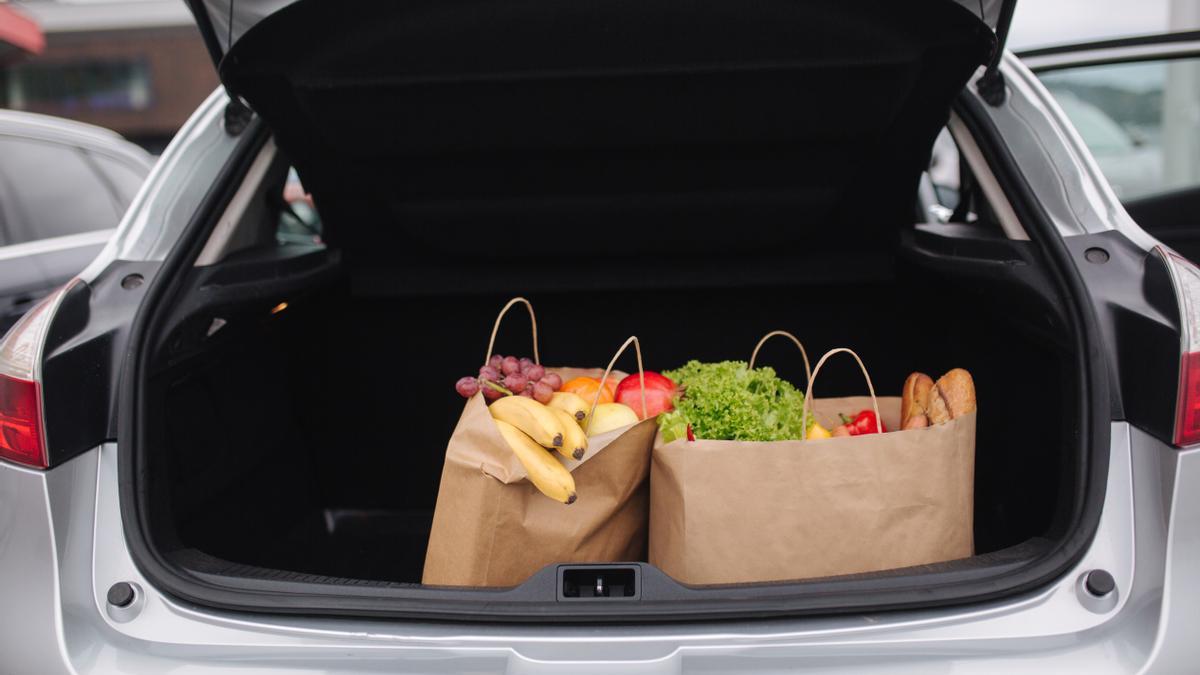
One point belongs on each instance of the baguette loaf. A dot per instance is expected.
(953, 395)
(914, 404)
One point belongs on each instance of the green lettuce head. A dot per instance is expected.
(728, 401)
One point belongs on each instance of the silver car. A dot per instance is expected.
(221, 443)
(63, 187)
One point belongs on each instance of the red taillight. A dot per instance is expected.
(22, 429)
(1186, 278)
(1187, 420)
(21, 437)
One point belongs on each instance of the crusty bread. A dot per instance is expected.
(953, 395)
(914, 403)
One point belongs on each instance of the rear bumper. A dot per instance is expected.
(62, 547)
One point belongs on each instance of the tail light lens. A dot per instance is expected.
(1186, 278)
(22, 431)
(21, 438)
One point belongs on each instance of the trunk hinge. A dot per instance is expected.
(237, 115)
(991, 84)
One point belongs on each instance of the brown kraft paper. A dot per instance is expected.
(727, 512)
(491, 526)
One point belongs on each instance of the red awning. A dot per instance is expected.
(19, 35)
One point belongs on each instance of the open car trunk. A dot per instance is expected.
(697, 175)
(312, 440)
(302, 448)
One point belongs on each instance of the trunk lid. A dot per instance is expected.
(224, 22)
(681, 120)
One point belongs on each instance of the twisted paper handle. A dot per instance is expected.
(496, 328)
(637, 348)
(808, 393)
(793, 338)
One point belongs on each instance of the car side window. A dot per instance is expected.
(52, 191)
(124, 177)
(299, 221)
(1140, 120)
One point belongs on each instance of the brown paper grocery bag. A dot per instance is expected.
(491, 526)
(731, 512)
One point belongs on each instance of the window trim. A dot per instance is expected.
(1164, 47)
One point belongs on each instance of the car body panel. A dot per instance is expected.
(1175, 648)
(67, 548)
(31, 641)
(178, 182)
(1055, 162)
(78, 528)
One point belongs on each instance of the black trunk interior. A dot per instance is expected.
(697, 174)
(311, 440)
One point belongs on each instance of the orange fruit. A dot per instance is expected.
(586, 388)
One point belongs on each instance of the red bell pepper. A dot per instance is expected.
(863, 423)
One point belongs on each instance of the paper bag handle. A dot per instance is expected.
(637, 348)
(808, 393)
(793, 338)
(496, 328)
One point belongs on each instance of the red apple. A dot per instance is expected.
(659, 392)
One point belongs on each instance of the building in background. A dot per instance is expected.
(138, 67)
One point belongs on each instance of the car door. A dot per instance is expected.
(57, 213)
(21, 281)
(1136, 104)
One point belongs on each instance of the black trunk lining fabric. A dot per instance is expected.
(280, 453)
(421, 127)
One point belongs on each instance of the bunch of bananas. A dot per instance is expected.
(530, 428)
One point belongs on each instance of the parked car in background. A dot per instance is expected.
(220, 445)
(1135, 103)
(63, 188)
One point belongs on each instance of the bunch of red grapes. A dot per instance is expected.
(504, 375)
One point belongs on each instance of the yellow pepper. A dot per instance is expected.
(817, 431)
